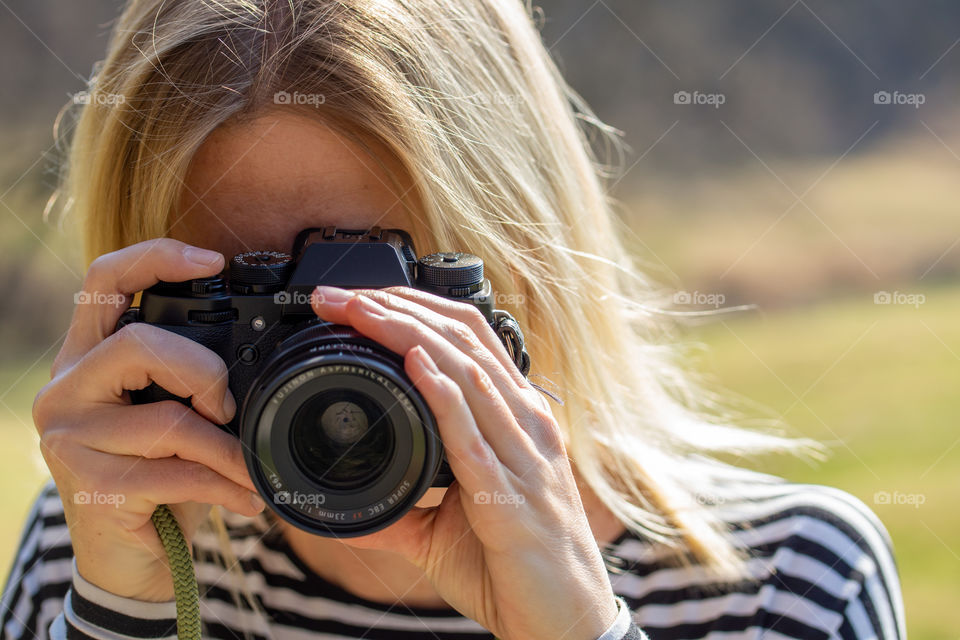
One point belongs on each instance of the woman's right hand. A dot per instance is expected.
(114, 462)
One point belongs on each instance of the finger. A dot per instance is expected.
(162, 430)
(330, 304)
(400, 332)
(463, 312)
(471, 458)
(174, 481)
(459, 333)
(139, 354)
(496, 413)
(113, 278)
(462, 324)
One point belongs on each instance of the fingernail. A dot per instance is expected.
(332, 295)
(427, 360)
(257, 502)
(203, 257)
(229, 406)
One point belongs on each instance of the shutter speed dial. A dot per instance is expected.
(260, 271)
(450, 273)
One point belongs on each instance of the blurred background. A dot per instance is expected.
(801, 156)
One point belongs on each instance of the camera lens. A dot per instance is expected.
(341, 439)
(336, 437)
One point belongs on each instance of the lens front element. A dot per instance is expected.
(342, 439)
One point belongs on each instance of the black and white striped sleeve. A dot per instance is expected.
(832, 562)
(821, 565)
(41, 572)
(45, 598)
(874, 605)
(91, 612)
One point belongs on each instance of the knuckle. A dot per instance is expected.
(543, 418)
(226, 453)
(196, 475)
(55, 443)
(43, 405)
(380, 296)
(487, 465)
(100, 269)
(171, 417)
(541, 470)
(539, 397)
(461, 335)
(476, 455)
(479, 452)
(171, 245)
(470, 448)
(454, 394)
(98, 479)
(474, 317)
(399, 290)
(220, 372)
(393, 295)
(545, 430)
(422, 333)
(60, 361)
(131, 336)
(169, 412)
(354, 306)
(156, 249)
(480, 379)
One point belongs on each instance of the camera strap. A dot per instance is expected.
(185, 588)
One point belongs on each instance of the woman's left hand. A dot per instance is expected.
(510, 545)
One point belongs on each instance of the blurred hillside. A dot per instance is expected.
(799, 76)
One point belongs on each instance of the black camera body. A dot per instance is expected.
(336, 437)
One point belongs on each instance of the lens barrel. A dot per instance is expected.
(336, 437)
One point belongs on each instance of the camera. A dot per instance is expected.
(336, 438)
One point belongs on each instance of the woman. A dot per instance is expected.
(219, 127)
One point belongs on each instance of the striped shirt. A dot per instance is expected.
(821, 562)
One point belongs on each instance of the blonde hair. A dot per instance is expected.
(502, 153)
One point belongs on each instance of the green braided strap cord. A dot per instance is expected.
(181, 566)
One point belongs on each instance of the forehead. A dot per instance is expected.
(255, 184)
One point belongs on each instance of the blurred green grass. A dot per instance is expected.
(22, 469)
(877, 383)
